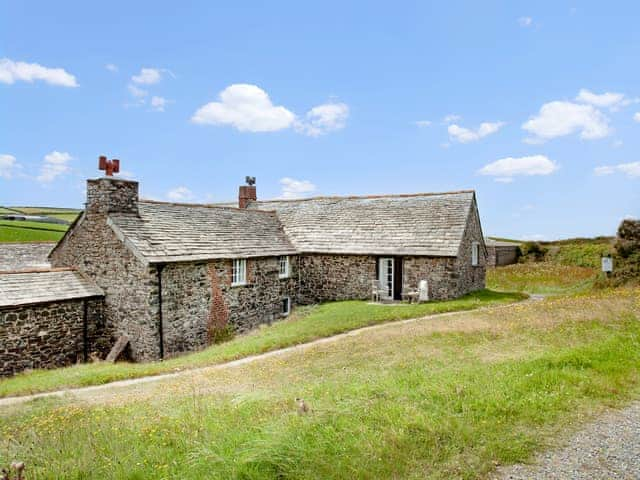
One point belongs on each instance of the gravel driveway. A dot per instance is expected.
(608, 448)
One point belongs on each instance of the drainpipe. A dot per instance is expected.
(159, 268)
(85, 331)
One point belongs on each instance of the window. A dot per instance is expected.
(284, 266)
(286, 306)
(239, 272)
(475, 253)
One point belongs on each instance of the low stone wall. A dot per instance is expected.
(49, 335)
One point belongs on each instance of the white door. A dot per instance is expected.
(385, 270)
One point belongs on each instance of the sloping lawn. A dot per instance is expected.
(437, 399)
(308, 324)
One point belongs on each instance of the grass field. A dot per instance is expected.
(24, 231)
(438, 399)
(27, 231)
(547, 278)
(308, 323)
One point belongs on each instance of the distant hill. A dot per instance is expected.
(35, 231)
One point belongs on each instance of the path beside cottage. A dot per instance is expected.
(608, 448)
(109, 390)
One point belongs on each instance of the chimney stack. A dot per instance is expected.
(111, 195)
(247, 193)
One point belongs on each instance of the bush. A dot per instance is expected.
(533, 251)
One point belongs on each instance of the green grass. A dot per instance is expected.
(22, 231)
(306, 325)
(547, 278)
(441, 399)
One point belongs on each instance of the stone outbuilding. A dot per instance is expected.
(500, 253)
(178, 276)
(48, 319)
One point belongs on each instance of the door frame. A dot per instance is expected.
(386, 284)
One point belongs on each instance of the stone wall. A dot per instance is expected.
(325, 278)
(439, 272)
(471, 278)
(49, 335)
(198, 300)
(93, 248)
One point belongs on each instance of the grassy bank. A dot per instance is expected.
(541, 277)
(306, 325)
(439, 399)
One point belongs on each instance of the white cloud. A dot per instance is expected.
(525, 21)
(54, 165)
(292, 188)
(11, 72)
(560, 118)
(8, 165)
(506, 168)
(603, 100)
(180, 194)
(636, 117)
(147, 76)
(632, 170)
(136, 91)
(324, 118)
(111, 67)
(423, 123)
(451, 118)
(158, 103)
(247, 108)
(465, 135)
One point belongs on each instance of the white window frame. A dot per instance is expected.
(239, 272)
(288, 300)
(475, 254)
(283, 261)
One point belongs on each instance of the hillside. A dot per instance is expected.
(35, 231)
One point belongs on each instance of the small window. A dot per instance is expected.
(284, 266)
(239, 272)
(475, 253)
(286, 306)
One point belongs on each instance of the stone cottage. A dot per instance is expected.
(176, 276)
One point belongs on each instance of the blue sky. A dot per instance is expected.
(530, 104)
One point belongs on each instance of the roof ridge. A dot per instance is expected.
(350, 197)
(39, 270)
(203, 205)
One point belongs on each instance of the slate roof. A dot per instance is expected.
(20, 256)
(24, 288)
(419, 224)
(169, 232)
(490, 242)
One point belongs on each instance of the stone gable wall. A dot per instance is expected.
(471, 278)
(49, 335)
(93, 248)
(198, 300)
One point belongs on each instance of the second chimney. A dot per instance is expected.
(247, 194)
